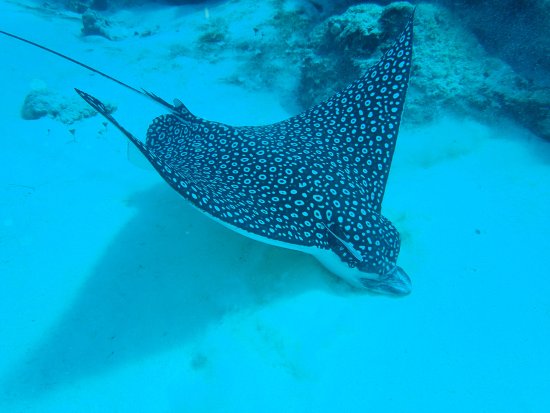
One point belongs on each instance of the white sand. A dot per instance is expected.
(117, 296)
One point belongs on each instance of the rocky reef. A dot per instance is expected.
(452, 69)
(42, 101)
(81, 6)
(95, 24)
(515, 31)
(483, 59)
(342, 47)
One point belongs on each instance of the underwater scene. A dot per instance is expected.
(274, 206)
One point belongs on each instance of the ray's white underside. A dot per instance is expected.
(326, 257)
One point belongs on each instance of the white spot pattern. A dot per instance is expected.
(291, 180)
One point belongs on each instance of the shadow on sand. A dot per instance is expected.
(162, 280)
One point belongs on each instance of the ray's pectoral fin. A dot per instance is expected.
(95, 103)
(104, 111)
(137, 158)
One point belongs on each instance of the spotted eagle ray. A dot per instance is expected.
(312, 183)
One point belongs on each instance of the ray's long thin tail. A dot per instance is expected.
(70, 59)
(142, 92)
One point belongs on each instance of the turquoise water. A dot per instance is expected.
(119, 296)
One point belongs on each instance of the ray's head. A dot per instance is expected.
(365, 252)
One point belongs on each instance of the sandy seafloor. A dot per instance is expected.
(117, 296)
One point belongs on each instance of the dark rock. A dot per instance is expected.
(327, 8)
(516, 31)
(35, 106)
(94, 24)
(100, 5)
(454, 71)
(78, 6)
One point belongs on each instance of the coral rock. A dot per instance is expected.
(43, 102)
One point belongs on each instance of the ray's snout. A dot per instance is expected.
(400, 282)
(395, 282)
